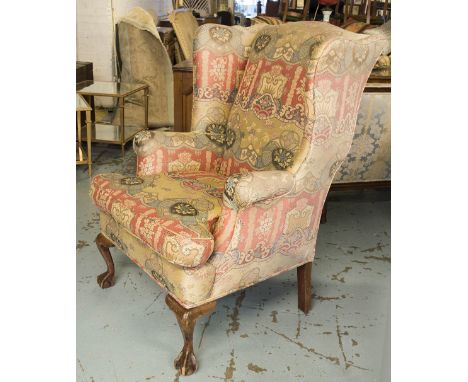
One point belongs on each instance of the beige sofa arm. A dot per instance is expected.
(242, 190)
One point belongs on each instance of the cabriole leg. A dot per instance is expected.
(186, 363)
(106, 279)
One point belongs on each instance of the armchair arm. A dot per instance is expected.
(164, 151)
(242, 190)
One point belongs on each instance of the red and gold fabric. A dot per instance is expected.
(172, 213)
(274, 117)
(161, 152)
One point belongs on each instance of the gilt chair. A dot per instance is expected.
(238, 199)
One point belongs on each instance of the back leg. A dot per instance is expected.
(304, 287)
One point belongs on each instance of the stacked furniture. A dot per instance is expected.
(144, 59)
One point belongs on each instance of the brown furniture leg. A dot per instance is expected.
(106, 279)
(186, 363)
(304, 287)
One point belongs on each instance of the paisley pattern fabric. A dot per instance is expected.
(369, 158)
(270, 133)
(172, 213)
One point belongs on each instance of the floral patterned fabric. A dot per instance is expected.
(162, 152)
(219, 59)
(172, 213)
(280, 132)
(189, 285)
(369, 158)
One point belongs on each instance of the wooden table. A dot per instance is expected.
(379, 82)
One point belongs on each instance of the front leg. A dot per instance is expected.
(106, 279)
(186, 363)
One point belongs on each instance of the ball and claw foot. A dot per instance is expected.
(106, 279)
(186, 363)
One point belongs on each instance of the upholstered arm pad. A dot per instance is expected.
(242, 190)
(163, 152)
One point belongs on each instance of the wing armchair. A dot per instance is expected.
(238, 200)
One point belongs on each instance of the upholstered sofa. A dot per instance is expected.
(238, 200)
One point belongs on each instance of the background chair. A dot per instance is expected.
(238, 200)
(185, 25)
(143, 58)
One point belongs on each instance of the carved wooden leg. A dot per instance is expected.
(304, 287)
(186, 362)
(106, 279)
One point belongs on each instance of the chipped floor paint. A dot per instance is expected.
(126, 333)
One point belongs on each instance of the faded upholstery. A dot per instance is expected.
(185, 26)
(144, 59)
(267, 146)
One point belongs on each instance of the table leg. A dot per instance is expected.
(78, 126)
(146, 108)
(122, 124)
(88, 140)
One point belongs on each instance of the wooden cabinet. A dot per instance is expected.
(183, 96)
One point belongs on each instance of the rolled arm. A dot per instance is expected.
(242, 190)
(164, 151)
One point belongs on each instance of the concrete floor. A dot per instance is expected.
(126, 333)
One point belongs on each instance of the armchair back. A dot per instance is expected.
(297, 103)
(219, 59)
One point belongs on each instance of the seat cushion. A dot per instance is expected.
(190, 286)
(174, 214)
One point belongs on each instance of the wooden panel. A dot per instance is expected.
(183, 96)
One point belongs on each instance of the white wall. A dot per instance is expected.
(94, 32)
